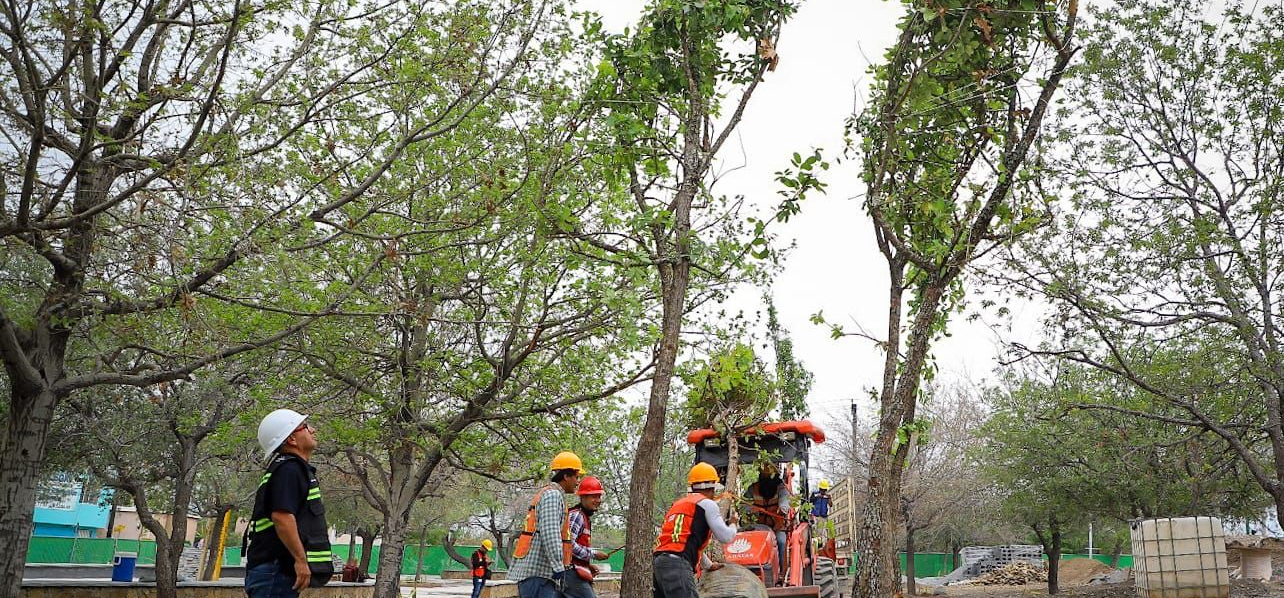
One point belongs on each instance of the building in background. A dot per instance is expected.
(65, 508)
(127, 526)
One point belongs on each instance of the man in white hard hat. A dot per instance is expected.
(289, 540)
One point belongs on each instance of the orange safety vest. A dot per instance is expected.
(528, 532)
(770, 513)
(481, 571)
(675, 533)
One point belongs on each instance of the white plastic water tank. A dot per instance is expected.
(1180, 557)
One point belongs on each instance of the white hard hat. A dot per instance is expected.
(276, 427)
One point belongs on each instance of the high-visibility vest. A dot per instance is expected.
(528, 532)
(480, 570)
(675, 533)
(771, 513)
(585, 538)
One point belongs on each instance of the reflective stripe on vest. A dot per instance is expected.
(676, 531)
(527, 536)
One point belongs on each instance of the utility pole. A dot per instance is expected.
(851, 478)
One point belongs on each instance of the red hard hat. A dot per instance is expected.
(590, 485)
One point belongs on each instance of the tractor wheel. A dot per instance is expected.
(826, 577)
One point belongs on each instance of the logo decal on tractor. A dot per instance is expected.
(740, 545)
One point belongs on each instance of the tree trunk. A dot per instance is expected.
(24, 449)
(635, 581)
(1054, 560)
(391, 550)
(1115, 552)
(910, 586)
(367, 550)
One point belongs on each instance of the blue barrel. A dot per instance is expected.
(122, 566)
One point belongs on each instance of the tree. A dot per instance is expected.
(660, 89)
(175, 420)
(481, 319)
(730, 392)
(944, 142)
(1058, 464)
(941, 486)
(792, 377)
(1170, 275)
(141, 184)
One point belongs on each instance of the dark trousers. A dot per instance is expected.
(574, 587)
(265, 580)
(478, 584)
(538, 587)
(672, 577)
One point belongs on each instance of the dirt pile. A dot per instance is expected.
(1077, 572)
(1013, 574)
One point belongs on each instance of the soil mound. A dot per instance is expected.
(1077, 572)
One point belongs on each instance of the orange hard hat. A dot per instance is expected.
(590, 485)
(702, 473)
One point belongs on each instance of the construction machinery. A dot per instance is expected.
(805, 570)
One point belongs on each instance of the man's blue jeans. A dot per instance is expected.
(265, 580)
(574, 587)
(538, 587)
(478, 584)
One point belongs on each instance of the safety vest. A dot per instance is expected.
(528, 532)
(585, 538)
(310, 520)
(676, 533)
(480, 570)
(771, 514)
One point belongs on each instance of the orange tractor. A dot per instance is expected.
(804, 570)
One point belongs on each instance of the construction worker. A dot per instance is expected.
(580, 584)
(543, 553)
(768, 499)
(481, 567)
(687, 527)
(289, 541)
(820, 509)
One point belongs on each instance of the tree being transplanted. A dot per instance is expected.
(730, 392)
(660, 88)
(944, 142)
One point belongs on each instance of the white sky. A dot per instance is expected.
(825, 51)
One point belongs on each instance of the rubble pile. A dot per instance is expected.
(1014, 574)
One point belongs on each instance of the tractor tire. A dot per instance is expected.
(826, 577)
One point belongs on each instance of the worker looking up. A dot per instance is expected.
(543, 552)
(580, 584)
(686, 531)
(289, 539)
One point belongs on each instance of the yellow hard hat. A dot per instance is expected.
(702, 473)
(824, 484)
(567, 460)
(487, 544)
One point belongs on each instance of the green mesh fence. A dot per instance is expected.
(434, 558)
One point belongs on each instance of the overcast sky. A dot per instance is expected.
(825, 51)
